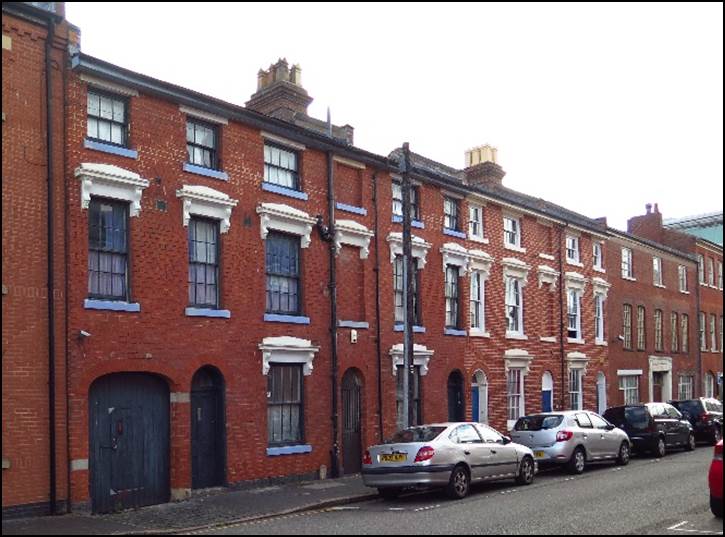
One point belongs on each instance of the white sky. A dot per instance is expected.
(600, 108)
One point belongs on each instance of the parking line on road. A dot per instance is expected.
(678, 527)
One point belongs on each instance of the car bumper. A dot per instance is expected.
(419, 476)
(559, 453)
(643, 443)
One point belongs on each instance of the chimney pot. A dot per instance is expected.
(657, 208)
(648, 206)
(482, 168)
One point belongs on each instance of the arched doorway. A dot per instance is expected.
(208, 426)
(547, 392)
(456, 406)
(479, 397)
(129, 442)
(352, 422)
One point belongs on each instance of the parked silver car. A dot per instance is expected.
(450, 455)
(572, 438)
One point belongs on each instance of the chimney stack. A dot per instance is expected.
(648, 207)
(280, 93)
(482, 168)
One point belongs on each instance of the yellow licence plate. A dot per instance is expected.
(539, 454)
(393, 457)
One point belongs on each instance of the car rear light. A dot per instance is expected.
(367, 459)
(718, 452)
(564, 436)
(425, 454)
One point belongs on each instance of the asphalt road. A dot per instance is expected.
(649, 496)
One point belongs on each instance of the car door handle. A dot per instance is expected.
(467, 452)
(494, 451)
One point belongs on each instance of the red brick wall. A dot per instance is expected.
(643, 292)
(711, 303)
(25, 425)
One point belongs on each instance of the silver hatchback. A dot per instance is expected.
(572, 438)
(450, 455)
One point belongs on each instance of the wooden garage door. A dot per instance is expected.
(129, 442)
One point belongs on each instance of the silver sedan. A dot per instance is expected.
(450, 455)
(572, 438)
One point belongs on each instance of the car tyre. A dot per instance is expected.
(660, 448)
(690, 446)
(577, 462)
(716, 506)
(625, 453)
(716, 435)
(459, 483)
(389, 493)
(526, 472)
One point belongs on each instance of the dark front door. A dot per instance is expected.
(351, 426)
(456, 408)
(129, 442)
(208, 446)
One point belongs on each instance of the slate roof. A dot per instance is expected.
(426, 166)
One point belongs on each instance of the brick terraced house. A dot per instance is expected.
(227, 285)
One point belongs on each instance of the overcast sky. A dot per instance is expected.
(600, 108)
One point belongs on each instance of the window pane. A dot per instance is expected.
(119, 113)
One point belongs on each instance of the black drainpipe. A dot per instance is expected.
(562, 297)
(329, 236)
(50, 253)
(378, 342)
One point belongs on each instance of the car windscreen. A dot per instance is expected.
(416, 434)
(538, 423)
(694, 408)
(637, 417)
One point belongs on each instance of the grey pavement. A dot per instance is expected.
(203, 510)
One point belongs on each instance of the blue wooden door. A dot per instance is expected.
(129, 442)
(546, 401)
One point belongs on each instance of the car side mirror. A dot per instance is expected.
(610, 427)
(507, 440)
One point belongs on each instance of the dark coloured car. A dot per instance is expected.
(653, 427)
(705, 415)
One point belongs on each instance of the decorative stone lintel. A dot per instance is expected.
(421, 357)
(574, 280)
(577, 360)
(354, 234)
(480, 261)
(601, 286)
(205, 201)
(549, 276)
(518, 359)
(515, 268)
(109, 181)
(275, 216)
(420, 248)
(456, 255)
(287, 350)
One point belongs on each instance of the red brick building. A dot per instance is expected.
(35, 46)
(232, 306)
(708, 288)
(653, 353)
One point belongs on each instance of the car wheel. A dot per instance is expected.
(459, 483)
(660, 449)
(624, 454)
(388, 493)
(716, 506)
(690, 443)
(577, 462)
(526, 472)
(716, 435)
